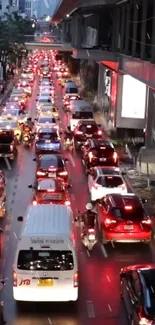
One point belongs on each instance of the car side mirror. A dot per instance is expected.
(144, 200)
(123, 173)
(69, 186)
(30, 186)
(20, 219)
(76, 219)
(34, 159)
(66, 160)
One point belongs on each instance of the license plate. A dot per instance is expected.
(102, 159)
(45, 283)
(51, 174)
(128, 227)
(47, 141)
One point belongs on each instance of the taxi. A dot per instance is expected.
(12, 124)
(22, 99)
(25, 85)
(48, 110)
(50, 191)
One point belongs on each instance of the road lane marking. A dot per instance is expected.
(88, 253)
(90, 309)
(15, 235)
(110, 308)
(112, 244)
(72, 160)
(108, 278)
(104, 250)
(49, 320)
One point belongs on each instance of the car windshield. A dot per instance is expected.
(43, 260)
(109, 181)
(11, 112)
(135, 213)
(9, 124)
(6, 137)
(48, 109)
(103, 151)
(48, 136)
(47, 120)
(44, 100)
(72, 91)
(82, 115)
(46, 162)
(88, 128)
(149, 294)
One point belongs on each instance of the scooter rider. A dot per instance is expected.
(68, 134)
(28, 126)
(89, 216)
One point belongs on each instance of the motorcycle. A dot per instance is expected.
(89, 239)
(88, 236)
(68, 144)
(27, 140)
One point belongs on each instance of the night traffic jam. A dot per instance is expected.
(77, 246)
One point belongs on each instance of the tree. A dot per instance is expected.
(12, 38)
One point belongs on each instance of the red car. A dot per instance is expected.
(50, 191)
(52, 166)
(122, 218)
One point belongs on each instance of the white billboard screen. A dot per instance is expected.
(133, 98)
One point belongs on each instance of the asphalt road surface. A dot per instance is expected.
(99, 295)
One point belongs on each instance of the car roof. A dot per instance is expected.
(108, 170)
(86, 122)
(101, 142)
(122, 200)
(49, 183)
(47, 130)
(52, 157)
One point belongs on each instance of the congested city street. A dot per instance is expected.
(99, 269)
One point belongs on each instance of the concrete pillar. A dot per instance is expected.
(76, 31)
(146, 158)
(153, 35)
(150, 122)
(134, 34)
(127, 29)
(123, 18)
(143, 30)
(101, 86)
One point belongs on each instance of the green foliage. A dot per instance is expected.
(12, 35)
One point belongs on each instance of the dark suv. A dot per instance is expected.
(8, 144)
(86, 129)
(47, 141)
(98, 152)
(138, 293)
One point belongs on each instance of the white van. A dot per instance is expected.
(79, 110)
(70, 88)
(45, 265)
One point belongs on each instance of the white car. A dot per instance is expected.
(17, 114)
(105, 180)
(42, 100)
(46, 122)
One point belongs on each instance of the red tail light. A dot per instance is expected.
(67, 203)
(146, 222)
(14, 279)
(63, 173)
(91, 156)
(128, 207)
(76, 280)
(79, 132)
(40, 173)
(34, 203)
(109, 222)
(99, 132)
(115, 156)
